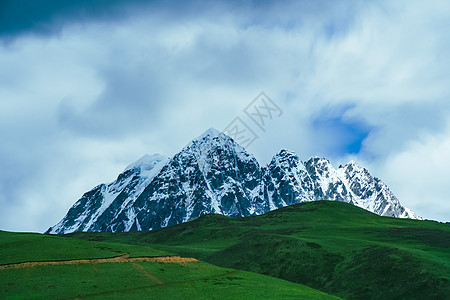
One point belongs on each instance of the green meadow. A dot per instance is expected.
(316, 250)
(330, 246)
(123, 280)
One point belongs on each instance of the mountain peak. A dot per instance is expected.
(285, 152)
(316, 160)
(352, 166)
(214, 139)
(285, 157)
(211, 132)
(351, 163)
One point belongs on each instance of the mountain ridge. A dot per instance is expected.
(214, 174)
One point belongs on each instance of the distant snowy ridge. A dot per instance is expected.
(214, 174)
(95, 205)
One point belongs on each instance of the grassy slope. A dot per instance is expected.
(138, 280)
(332, 246)
(23, 247)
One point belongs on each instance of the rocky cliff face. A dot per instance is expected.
(213, 174)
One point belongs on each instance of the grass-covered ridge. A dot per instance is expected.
(25, 247)
(26, 272)
(332, 246)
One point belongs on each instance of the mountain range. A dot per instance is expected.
(214, 174)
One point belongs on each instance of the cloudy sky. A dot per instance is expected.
(87, 87)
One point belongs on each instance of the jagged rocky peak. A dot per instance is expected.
(317, 167)
(215, 152)
(218, 156)
(211, 140)
(211, 133)
(285, 158)
(318, 163)
(358, 178)
(284, 163)
(352, 167)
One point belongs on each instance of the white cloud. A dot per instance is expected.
(420, 174)
(78, 107)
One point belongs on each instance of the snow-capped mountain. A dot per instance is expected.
(290, 181)
(93, 212)
(213, 174)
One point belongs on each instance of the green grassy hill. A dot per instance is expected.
(36, 266)
(331, 246)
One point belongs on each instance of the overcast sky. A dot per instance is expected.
(87, 87)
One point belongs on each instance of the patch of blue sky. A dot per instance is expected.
(339, 134)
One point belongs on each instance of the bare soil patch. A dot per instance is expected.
(123, 258)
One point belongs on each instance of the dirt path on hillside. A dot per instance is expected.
(146, 273)
(123, 258)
